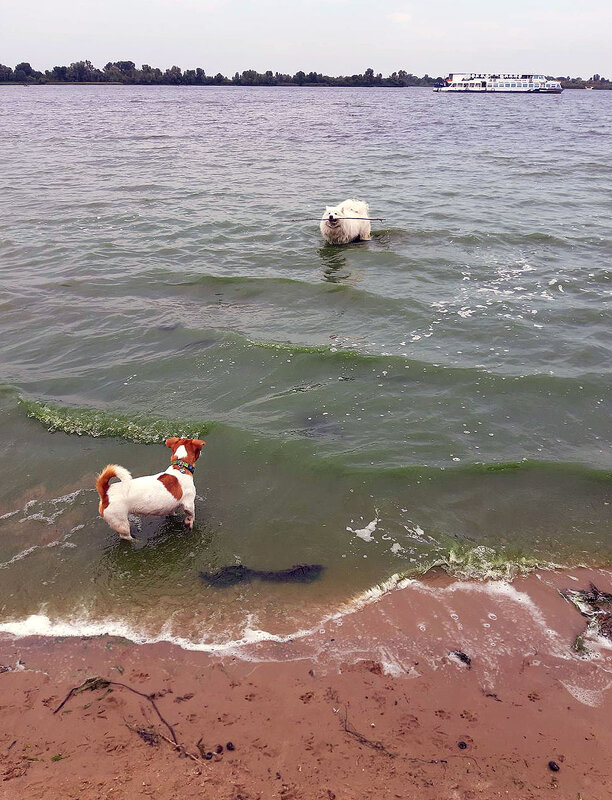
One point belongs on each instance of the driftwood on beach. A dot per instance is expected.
(596, 606)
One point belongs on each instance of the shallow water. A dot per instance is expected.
(439, 395)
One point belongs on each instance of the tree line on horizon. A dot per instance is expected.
(126, 72)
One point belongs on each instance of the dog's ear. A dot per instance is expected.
(172, 443)
(342, 211)
(196, 446)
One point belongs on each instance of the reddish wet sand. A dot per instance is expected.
(372, 708)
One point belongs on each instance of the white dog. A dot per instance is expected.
(339, 226)
(157, 495)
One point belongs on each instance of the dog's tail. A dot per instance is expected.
(103, 481)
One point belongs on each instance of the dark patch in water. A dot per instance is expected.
(231, 575)
(306, 387)
(200, 343)
(320, 426)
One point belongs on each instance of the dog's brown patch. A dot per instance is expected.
(172, 485)
(194, 448)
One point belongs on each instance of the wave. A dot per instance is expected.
(485, 563)
(81, 625)
(481, 468)
(491, 575)
(341, 353)
(264, 284)
(144, 429)
(96, 423)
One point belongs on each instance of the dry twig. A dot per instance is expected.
(91, 684)
(150, 737)
(375, 745)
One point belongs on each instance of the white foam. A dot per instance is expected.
(375, 592)
(496, 588)
(63, 542)
(392, 666)
(416, 532)
(588, 697)
(366, 533)
(19, 556)
(58, 504)
(41, 625)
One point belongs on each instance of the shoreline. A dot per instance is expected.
(39, 626)
(443, 688)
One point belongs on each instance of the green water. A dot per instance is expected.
(447, 381)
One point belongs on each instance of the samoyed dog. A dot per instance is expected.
(339, 226)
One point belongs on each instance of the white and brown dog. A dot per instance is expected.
(154, 495)
(346, 222)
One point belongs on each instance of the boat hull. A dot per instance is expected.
(498, 91)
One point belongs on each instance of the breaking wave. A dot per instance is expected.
(95, 422)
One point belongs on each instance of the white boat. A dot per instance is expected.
(503, 82)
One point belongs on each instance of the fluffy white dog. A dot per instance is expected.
(339, 226)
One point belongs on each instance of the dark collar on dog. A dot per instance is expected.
(183, 466)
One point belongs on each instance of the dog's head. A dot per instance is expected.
(333, 215)
(186, 449)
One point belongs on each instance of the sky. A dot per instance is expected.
(330, 36)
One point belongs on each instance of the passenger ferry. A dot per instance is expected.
(503, 82)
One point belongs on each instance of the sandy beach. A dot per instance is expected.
(442, 689)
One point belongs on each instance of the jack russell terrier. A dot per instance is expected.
(156, 495)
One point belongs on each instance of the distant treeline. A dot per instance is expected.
(127, 72)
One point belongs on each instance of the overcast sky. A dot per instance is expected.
(329, 36)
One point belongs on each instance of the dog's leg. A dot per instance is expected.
(122, 526)
(189, 509)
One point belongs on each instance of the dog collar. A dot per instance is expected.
(183, 466)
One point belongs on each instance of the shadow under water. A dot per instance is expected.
(231, 575)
